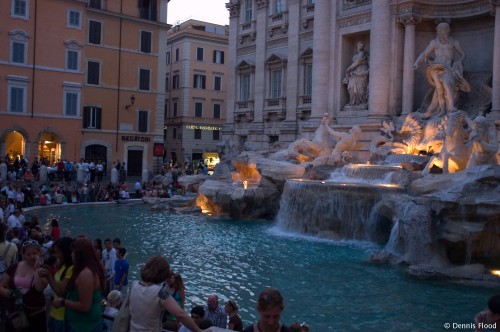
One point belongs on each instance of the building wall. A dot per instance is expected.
(120, 58)
(327, 32)
(187, 38)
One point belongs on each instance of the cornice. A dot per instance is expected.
(355, 19)
(233, 7)
(409, 19)
(442, 9)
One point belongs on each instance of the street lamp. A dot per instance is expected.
(132, 102)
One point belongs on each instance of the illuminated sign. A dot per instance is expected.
(203, 127)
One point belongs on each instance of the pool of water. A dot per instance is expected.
(330, 285)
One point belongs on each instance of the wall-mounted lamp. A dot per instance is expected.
(132, 102)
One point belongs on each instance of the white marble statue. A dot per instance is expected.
(455, 153)
(357, 77)
(483, 141)
(444, 58)
(347, 143)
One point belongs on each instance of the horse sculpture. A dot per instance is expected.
(455, 153)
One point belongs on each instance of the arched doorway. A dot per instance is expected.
(96, 153)
(49, 148)
(15, 144)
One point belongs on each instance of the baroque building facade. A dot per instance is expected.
(83, 79)
(289, 58)
(196, 92)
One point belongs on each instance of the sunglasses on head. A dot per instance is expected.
(30, 243)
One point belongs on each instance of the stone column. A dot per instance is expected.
(231, 86)
(260, 64)
(321, 58)
(495, 91)
(380, 59)
(293, 87)
(409, 22)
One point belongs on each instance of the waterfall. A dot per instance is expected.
(392, 244)
(332, 209)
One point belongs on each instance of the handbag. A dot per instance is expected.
(121, 322)
(18, 320)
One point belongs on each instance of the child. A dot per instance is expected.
(121, 271)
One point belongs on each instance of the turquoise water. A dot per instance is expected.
(330, 285)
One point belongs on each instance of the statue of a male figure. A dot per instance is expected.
(444, 57)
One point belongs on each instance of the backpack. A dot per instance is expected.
(3, 262)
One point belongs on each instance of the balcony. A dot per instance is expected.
(244, 111)
(277, 24)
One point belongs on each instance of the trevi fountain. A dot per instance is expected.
(425, 187)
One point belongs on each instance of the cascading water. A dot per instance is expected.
(335, 210)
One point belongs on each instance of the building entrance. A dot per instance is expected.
(134, 165)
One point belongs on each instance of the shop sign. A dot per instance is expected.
(135, 138)
(203, 127)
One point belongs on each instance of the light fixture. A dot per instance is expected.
(132, 102)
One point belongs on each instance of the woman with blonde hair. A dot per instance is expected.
(150, 297)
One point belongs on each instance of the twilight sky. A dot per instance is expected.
(213, 11)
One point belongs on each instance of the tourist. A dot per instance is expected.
(215, 313)
(13, 220)
(22, 283)
(138, 189)
(489, 318)
(117, 243)
(113, 303)
(83, 299)
(121, 271)
(59, 282)
(269, 307)
(100, 171)
(176, 290)
(231, 309)
(109, 259)
(98, 249)
(8, 251)
(55, 230)
(150, 296)
(197, 314)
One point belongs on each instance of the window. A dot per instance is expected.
(216, 135)
(217, 83)
(142, 121)
(216, 111)
(219, 57)
(95, 4)
(165, 110)
(18, 52)
(72, 60)
(71, 101)
(276, 83)
(144, 79)
(199, 81)
(92, 117)
(95, 32)
(18, 92)
(18, 46)
(245, 88)
(279, 6)
(20, 8)
(146, 41)
(198, 110)
(74, 19)
(248, 10)
(273, 139)
(175, 82)
(167, 84)
(175, 109)
(174, 133)
(176, 54)
(148, 9)
(168, 58)
(93, 72)
(199, 53)
(308, 80)
(17, 99)
(197, 134)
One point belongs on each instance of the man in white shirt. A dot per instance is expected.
(13, 221)
(109, 259)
